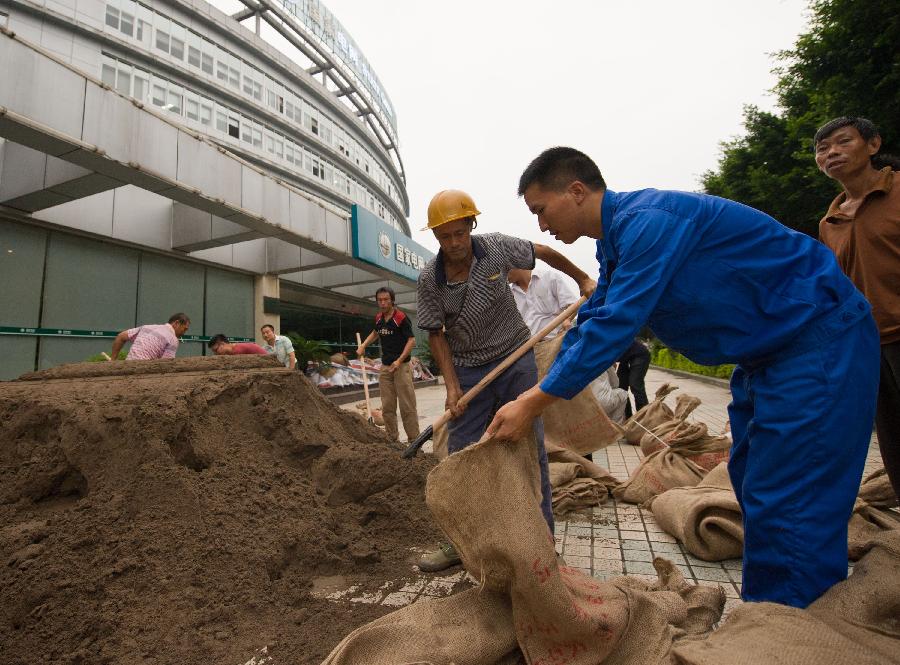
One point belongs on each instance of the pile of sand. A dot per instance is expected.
(179, 511)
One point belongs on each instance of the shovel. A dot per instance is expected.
(469, 395)
(362, 362)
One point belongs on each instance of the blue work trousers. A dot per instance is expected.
(801, 423)
(471, 425)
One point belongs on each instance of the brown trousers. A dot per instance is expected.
(398, 386)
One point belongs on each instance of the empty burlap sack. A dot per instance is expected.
(577, 482)
(876, 490)
(692, 440)
(578, 424)
(866, 523)
(556, 615)
(856, 622)
(705, 518)
(655, 413)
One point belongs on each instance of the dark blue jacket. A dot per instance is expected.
(715, 280)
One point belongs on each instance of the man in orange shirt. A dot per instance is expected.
(862, 228)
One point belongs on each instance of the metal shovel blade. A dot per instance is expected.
(413, 447)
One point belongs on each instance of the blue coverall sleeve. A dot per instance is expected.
(650, 246)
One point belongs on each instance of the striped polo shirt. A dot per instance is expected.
(152, 342)
(479, 316)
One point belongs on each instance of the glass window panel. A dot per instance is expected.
(108, 75)
(206, 63)
(112, 17)
(221, 122)
(234, 127)
(127, 25)
(245, 132)
(123, 82)
(175, 103)
(270, 142)
(257, 138)
(159, 95)
(234, 78)
(162, 40)
(177, 48)
(193, 56)
(279, 147)
(221, 71)
(205, 114)
(192, 109)
(141, 87)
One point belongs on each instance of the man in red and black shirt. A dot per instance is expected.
(395, 381)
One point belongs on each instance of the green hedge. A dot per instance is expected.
(665, 357)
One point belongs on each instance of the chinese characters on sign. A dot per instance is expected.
(409, 258)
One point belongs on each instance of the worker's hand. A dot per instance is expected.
(587, 286)
(452, 403)
(359, 351)
(394, 366)
(566, 325)
(513, 420)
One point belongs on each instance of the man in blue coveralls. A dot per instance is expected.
(723, 283)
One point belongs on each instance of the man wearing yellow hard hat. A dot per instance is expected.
(473, 324)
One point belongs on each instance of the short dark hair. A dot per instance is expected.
(180, 317)
(216, 339)
(557, 168)
(267, 325)
(389, 291)
(867, 130)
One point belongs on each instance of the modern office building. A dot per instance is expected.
(165, 156)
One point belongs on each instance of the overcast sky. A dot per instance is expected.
(647, 88)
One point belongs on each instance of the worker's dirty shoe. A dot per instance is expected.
(441, 558)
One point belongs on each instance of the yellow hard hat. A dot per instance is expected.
(448, 206)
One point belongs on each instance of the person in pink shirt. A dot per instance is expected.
(222, 347)
(152, 342)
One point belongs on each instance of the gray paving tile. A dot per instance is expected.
(635, 545)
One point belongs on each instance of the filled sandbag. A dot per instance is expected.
(653, 414)
(685, 406)
(705, 518)
(854, 622)
(658, 472)
(691, 440)
(577, 424)
(552, 613)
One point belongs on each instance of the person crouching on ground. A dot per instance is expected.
(279, 345)
(220, 345)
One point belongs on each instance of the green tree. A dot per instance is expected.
(848, 63)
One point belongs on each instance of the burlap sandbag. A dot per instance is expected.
(653, 414)
(691, 440)
(578, 424)
(577, 482)
(554, 614)
(856, 622)
(658, 472)
(705, 518)
(685, 405)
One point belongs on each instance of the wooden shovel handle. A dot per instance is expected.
(511, 358)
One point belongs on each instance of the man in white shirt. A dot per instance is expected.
(540, 297)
